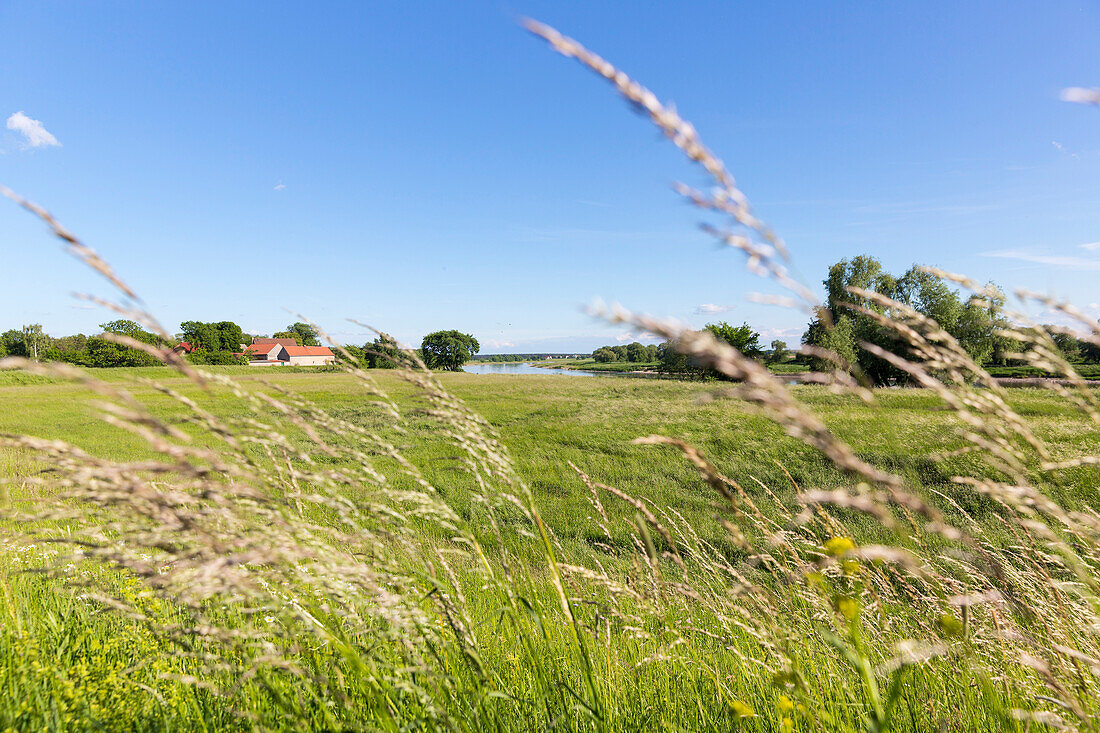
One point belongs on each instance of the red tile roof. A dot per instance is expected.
(308, 350)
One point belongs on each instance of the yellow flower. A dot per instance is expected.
(742, 710)
(784, 704)
(949, 625)
(837, 546)
(848, 608)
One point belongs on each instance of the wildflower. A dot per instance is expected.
(784, 704)
(742, 710)
(949, 625)
(837, 546)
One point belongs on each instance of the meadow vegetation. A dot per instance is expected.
(212, 548)
(69, 665)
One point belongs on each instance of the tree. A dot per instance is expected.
(102, 352)
(603, 355)
(742, 337)
(288, 335)
(221, 336)
(673, 362)
(123, 327)
(635, 352)
(848, 319)
(72, 349)
(779, 352)
(11, 344)
(34, 338)
(619, 352)
(448, 350)
(384, 352)
(303, 333)
(1066, 343)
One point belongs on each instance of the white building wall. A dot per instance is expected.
(311, 360)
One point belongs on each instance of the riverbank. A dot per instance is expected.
(789, 373)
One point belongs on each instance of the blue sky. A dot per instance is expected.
(420, 166)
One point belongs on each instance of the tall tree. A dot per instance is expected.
(132, 329)
(448, 350)
(635, 352)
(303, 333)
(383, 353)
(742, 337)
(845, 321)
(221, 336)
(11, 343)
(34, 339)
(603, 355)
(779, 352)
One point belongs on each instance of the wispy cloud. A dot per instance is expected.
(1090, 246)
(907, 208)
(1081, 95)
(497, 344)
(280, 186)
(708, 309)
(1043, 259)
(630, 336)
(1062, 149)
(36, 134)
(781, 333)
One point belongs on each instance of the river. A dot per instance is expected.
(522, 367)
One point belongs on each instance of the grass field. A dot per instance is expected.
(67, 665)
(592, 365)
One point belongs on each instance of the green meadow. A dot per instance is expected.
(66, 663)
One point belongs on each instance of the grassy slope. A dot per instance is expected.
(57, 663)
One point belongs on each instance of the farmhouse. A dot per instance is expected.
(287, 352)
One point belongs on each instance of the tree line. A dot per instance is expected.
(440, 350)
(851, 316)
(670, 361)
(222, 342)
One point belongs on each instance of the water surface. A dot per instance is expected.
(521, 367)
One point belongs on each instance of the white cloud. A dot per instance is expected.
(1057, 144)
(280, 186)
(781, 333)
(630, 337)
(1090, 245)
(1081, 95)
(1055, 260)
(711, 308)
(495, 344)
(34, 131)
